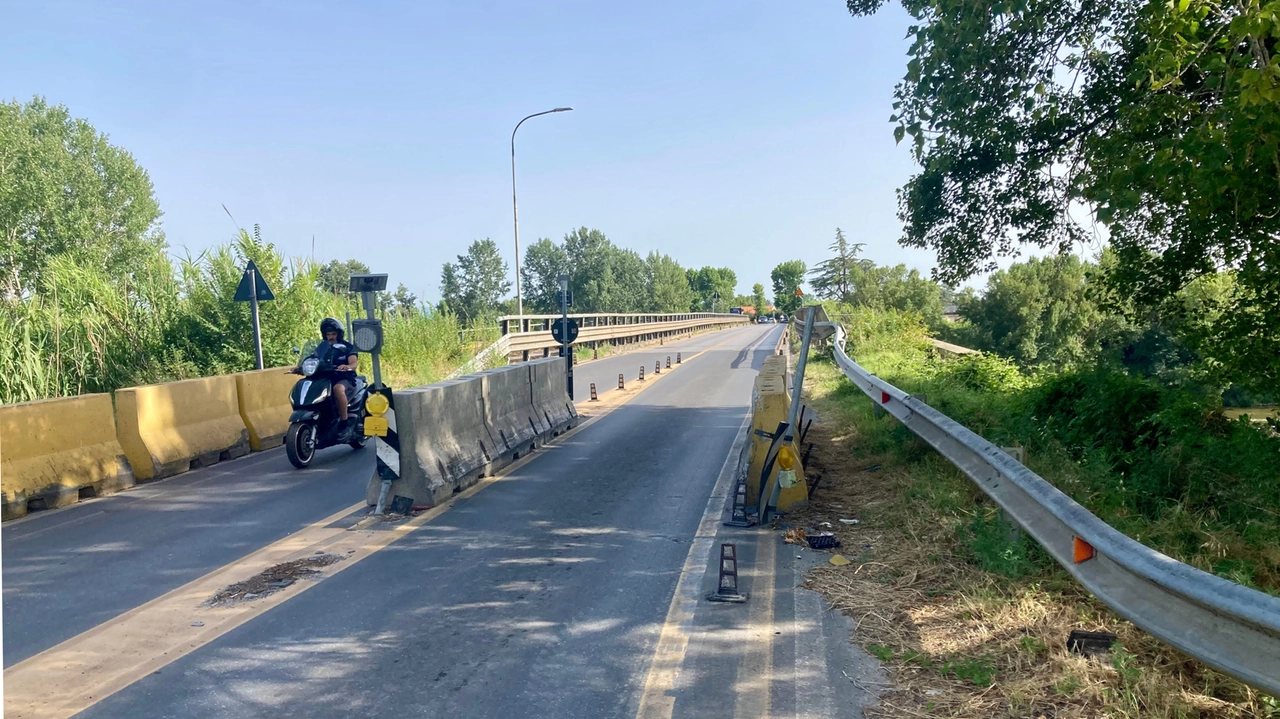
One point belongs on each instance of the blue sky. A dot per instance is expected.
(733, 134)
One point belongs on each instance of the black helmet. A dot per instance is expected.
(329, 324)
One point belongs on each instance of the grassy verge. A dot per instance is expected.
(971, 619)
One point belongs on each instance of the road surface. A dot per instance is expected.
(572, 586)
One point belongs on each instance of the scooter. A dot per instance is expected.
(314, 423)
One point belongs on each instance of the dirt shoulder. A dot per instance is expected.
(971, 618)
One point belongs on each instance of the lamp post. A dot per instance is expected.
(515, 215)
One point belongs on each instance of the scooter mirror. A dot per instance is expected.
(297, 351)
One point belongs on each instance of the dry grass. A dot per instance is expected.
(960, 641)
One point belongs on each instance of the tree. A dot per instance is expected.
(335, 277)
(403, 301)
(66, 192)
(787, 277)
(895, 288)
(831, 279)
(544, 262)
(757, 297)
(1037, 312)
(474, 285)
(1160, 120)
(604, 277)
(709, 282)
(669, 289)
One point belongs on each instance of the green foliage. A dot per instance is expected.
(1161, 119)
(89, 331)
(473, 287)
(832, 279)
(1039, 312)
(544, 262)
(709, 282)
(787, 277)
(603, 276)
(1159, 462)
(66, 192)
(669, 289)
(335, 277)
(757, 298)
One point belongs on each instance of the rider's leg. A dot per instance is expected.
(340, 394)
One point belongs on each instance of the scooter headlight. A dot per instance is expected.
(310, 365)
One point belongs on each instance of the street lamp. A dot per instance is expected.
(515, 215)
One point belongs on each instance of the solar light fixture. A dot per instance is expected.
(367, 334)
(368, 283)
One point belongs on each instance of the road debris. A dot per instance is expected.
(839, 560)
(272, 580)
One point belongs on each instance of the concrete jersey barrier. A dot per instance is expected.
(167, 429)
(263, 397)
(455, 432)
(55, 449)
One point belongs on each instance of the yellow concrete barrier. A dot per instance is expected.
(167, 429)
(264, 405)
(770, 405)
(56, 451)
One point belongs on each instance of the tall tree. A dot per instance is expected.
(831, 279)
(1160, 119)
(544, 262)
(1038, 312)
(669, 289)
(757, 297)
(335, 277)
(709, 282)
(787, 277)
(67, 192)
(474, 285)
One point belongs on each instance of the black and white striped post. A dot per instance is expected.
(387, 449)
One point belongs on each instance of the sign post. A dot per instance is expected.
(253, 289)
(380, 419)
(565, 331)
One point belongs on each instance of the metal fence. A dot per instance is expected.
(1229, 627)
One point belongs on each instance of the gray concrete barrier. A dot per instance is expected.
(455, 432)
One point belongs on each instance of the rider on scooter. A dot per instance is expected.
(343, 376)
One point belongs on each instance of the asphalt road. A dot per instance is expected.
(546, 594)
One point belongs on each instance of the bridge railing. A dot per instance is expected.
(1229, 627)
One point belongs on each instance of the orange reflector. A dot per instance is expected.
(1081, 551)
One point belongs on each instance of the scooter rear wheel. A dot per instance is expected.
(359, 442)
(300, 444)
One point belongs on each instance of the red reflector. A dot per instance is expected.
(884, 398)
(1081, 551)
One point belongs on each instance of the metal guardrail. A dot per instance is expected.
(592, 328)
(1229, 627)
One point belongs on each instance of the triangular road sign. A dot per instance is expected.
(245, 291)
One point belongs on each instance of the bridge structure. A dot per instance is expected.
(557, 559)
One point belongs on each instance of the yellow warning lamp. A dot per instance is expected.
(786, 458)
(377, 404)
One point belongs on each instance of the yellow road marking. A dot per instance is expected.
(97, 663)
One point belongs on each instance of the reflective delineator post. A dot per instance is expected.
(622, 383)
(668, 361)
(677, 358)
(657, 367)
(641, 373)
(593, 393)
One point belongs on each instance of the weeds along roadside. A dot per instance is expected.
(971, 618)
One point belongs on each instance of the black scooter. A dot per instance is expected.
(314, 423)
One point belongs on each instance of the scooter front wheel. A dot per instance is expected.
(300, 444)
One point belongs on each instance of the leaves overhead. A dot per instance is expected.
(1032, 120)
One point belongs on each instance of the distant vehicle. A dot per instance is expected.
(735, 310)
